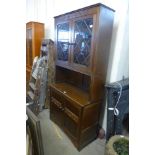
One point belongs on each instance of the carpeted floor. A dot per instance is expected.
(56, 142)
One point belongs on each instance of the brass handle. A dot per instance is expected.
(62, 109)
(64, 92)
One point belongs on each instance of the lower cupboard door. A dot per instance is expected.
(56, 115)
(71, 127)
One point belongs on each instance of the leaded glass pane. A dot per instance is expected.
(62, 41)
(83, 35)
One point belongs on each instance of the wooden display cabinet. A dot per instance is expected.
(34, 36)
(82, 44)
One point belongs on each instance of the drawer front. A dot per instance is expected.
(75, 109)
(55, 95)
(58, 104)
(71, 115)
(57, 98)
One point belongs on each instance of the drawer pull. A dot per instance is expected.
(57, 103)
(62, 108)
(64, 92)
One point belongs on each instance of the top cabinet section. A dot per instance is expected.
(77, 38)
(74, 43)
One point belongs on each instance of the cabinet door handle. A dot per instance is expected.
(57, 103)
(62, 109)
(64, 92)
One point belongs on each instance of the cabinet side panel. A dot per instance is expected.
(96, 92)
(103, 42)
(101, 57)
(89, 124)
(90, 115)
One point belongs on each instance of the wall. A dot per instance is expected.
(41, 11)
(45, 10)
(119, 54)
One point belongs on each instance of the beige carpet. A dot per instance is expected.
(56, 142)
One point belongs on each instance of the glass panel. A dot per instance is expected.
(62, 41)
(83, 35)
(29, 46)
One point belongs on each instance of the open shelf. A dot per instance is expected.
(81, 81)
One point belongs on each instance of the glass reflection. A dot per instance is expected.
(62, 41)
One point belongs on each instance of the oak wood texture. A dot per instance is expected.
(34, 36)
(77, 93)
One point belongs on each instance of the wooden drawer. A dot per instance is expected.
(71, 115)
(61, 98)
(57, 95)
(58, 104)
(73, 108)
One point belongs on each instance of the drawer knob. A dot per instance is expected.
(64, 92)
(62, 108)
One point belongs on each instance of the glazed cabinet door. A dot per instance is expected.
(62, 43)
(83, 28)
